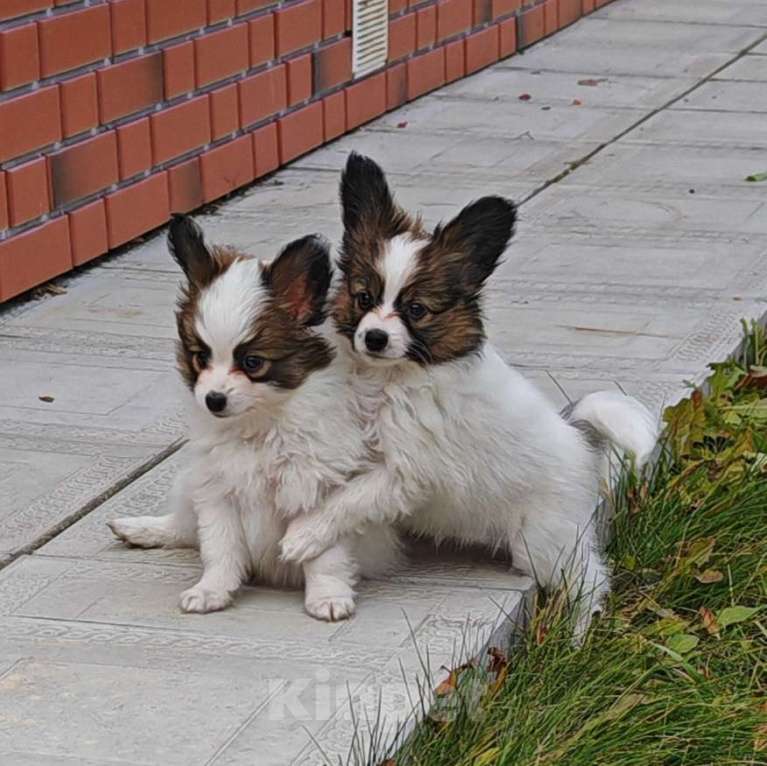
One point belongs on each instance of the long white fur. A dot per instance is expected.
(278, 457)
(471, 450)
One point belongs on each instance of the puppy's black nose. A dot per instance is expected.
(376, 340)
(215, 401)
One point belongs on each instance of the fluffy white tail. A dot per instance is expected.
(619, 419)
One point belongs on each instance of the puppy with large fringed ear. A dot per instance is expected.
(273, 429)
(467, 448)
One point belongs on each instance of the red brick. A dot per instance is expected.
(29, 122)
(219, 10)
(334, 115)
(88, 232)
(130, 87)
(365, 100)
(482, 49)
(19, 56)
(508, 34)
(185, 186)
(180, 129)
(134, 148)
(266, 149)
(333, 65)
(246, 6)
(79, 105)
(227, 168)
(455, 62)
(530, 27)
(426, 27)
(298, 26)
(10, 9)
(178, 69)
(333, 17)
(402, 36)
(128, 25)
(396, 86)
(261, 39)
(569, 12)
(453, 17)
(483, 12)
(587, 6)
(425, 73)
(3, 202)
(27, 191)
(224, 111)
(166, 19)
(299, 74)
(502, 8)
(349, 15)
(551, 16)
(300, 132)
(74, 39)
(221, 54)
(84, 168)
(262, 95)
(600, 3)
(395, 6)
(36, 256)
(137, 209)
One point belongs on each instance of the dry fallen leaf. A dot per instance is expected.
(709, 576)
(591, 82)
(46, 398)
(525, 97)
(709, 621)
(402, 124)
(577, 102)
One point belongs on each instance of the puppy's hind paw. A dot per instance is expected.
(331, 608)
(200, 600)
(137, 531)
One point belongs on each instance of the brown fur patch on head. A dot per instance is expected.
(189, 346)
(290, 351)
(371, 218)
(452, 268)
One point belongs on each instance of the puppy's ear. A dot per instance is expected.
(366, 201)
(299, 279)
(480, 233)
(187, 246)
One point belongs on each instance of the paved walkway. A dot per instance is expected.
(640, 248)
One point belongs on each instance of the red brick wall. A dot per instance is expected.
(116, 113)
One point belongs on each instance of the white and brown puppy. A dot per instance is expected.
(466, 448)
(273, 432)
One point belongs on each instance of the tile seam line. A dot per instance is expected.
(649, 115)
(94, 503)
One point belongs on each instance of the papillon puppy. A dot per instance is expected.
(465, 447)
(273, 429)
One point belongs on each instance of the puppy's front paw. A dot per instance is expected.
(200, 600)
(137, 531)
(302, 542)
(331, 608)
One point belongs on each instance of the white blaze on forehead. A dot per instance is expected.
(396, 266)
(229, 306)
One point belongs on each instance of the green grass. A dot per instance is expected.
(675, 672)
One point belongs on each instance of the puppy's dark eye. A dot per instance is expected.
(253, 364)
(364, 300)
(201, 359)
(416, 310)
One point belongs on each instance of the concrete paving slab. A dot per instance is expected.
(554, 88)
(680, 125)
(748, 13)
(728, 97)
(748, 68)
